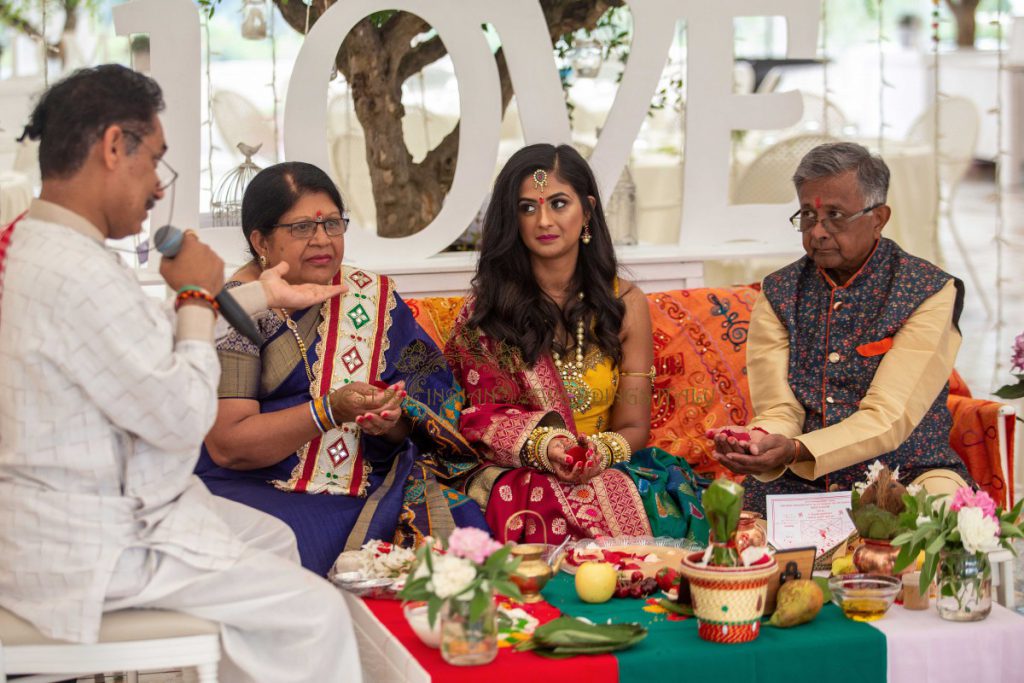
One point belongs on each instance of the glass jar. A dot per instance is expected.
(965, 585)
(466, 641)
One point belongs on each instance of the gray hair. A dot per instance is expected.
(835, 158)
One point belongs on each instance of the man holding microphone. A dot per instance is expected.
(105, 399)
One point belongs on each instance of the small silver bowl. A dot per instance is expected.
(358, 584)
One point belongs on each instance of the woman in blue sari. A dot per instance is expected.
(343, 424)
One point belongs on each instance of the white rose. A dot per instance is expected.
(914, 489)
(922, 519)
(452, 575)
(978, 533)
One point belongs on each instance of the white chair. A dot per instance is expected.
(957, 121)
(130, 640)
(769, 178)
(238, 120)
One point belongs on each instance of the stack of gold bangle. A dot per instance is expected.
(613, 447)
(535, 450)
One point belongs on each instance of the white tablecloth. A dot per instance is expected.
(923, 647)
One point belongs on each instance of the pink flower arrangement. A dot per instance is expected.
(1017, 357)
(1012, 391)
(966, 497)
(473, 544)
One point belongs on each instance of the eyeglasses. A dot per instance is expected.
(304, 230)
(164, 173)
(833, 221)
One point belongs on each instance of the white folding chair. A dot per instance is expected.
(769, 178)
(130, 640)
(957, 121)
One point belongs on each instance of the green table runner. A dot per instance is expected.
(829, 646)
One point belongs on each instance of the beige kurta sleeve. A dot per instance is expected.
(905, 386)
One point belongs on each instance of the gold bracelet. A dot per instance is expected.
(535, 450)
(604, 451)
(650, 374)
(617, 444)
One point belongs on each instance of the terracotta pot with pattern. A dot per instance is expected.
(728, 601)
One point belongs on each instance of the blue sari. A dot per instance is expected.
(399, 492)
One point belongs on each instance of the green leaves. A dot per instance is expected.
(567, 636)
(1011, 391)
(723, 502)
(874, 522)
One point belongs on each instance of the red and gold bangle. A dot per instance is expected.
(195, 293)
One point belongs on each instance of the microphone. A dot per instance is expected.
(167, 241)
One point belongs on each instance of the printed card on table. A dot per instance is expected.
(806, 519)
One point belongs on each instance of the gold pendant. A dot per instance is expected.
(579, 393)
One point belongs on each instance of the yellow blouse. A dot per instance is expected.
(602, 376)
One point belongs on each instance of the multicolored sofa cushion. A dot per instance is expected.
(700, 338)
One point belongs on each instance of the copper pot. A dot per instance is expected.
(749, 533)
(876, 557)
(533, 571)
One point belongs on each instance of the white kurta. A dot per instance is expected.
(102, 414)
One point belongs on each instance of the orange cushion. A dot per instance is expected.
(975, 438)
(436, 315)
(700, 341)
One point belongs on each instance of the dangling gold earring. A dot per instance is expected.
(263, 261)
(585, 237)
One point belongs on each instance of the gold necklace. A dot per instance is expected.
(572, 375)
(298, 340)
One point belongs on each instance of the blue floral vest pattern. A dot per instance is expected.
(829, 374)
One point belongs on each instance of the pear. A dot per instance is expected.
(797, 602)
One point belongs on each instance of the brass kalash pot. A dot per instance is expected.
(533, 572)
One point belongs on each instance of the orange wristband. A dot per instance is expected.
(796, 452)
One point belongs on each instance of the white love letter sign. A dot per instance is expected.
(712, 110)
(174, 45)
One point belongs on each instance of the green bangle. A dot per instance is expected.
(191, 288)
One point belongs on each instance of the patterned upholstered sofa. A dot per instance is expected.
(700, 340)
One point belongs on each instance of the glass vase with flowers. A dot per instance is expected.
(956, 536)
(458, 581)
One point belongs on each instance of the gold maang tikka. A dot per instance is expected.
(540, 179)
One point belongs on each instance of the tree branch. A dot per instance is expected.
(415, 60)
(398, 34)
(10, 15)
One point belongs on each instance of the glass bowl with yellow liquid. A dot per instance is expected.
(864, 597)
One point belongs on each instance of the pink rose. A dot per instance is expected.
(1017, 359)
(472, 544)
(966, 497)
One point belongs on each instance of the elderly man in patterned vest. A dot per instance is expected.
(851, 347)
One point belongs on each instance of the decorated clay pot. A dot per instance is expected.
(749, 533)
(728, 601)
(876, 557)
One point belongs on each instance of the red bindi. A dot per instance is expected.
(319, 214)
(817, 202)
(541, 200)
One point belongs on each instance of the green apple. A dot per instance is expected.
(595, 581)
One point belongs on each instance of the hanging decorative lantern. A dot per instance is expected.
(227, 201)
(586, 57)
(254, 19)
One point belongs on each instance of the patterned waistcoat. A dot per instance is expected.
(838, 335)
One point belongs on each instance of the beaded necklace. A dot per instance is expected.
(572, 374)
(298, 340)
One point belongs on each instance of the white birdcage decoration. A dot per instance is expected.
(621, 210)
(227, 201)
(254, 19)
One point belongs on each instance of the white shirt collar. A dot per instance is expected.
(42, 210)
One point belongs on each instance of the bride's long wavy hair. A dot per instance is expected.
(510, 306)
